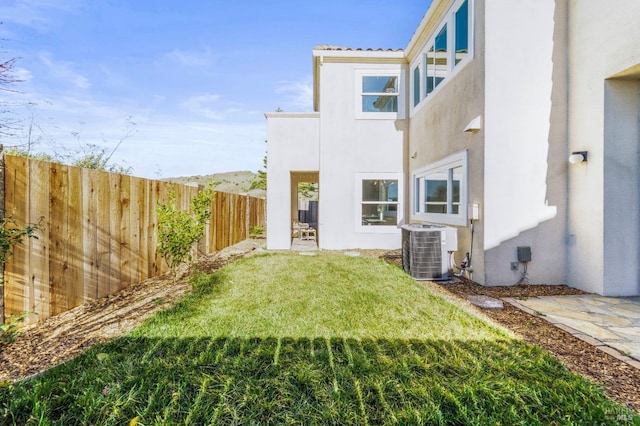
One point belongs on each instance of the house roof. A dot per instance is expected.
(352, 49)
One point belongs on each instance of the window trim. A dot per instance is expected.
(452, 67)
(378, 229)
(391, 72)
(459, 159)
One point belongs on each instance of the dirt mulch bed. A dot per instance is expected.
(620, 380)
(60, 338)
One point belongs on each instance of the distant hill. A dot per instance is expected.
(234, 182)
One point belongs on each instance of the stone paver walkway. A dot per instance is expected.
(601, 321)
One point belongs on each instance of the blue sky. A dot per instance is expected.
(195, 76)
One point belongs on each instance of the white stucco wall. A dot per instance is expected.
(350, 146)
(603, 120)
(522, 206)
(292, 145)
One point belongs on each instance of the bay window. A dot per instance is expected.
(440, 190)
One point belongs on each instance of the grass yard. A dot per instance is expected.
(330, 339)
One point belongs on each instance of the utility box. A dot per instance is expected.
(524, 254)
(425, 250)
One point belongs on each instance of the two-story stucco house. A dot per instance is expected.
(483, 108)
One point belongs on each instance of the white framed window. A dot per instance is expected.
(448, 49)
(440, 190)
(378, 94)
(378, 202)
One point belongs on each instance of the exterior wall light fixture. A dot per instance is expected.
(578, 157)
(474, 125)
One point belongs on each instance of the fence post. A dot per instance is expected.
(2, 205)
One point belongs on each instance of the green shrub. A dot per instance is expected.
(180, 230)
(11, 327)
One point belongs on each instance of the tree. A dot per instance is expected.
(86, 155)
(98, 156)
(8, 78)
(260, 182)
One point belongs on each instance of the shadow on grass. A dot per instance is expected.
(231, 380)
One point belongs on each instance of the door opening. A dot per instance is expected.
(304, 210)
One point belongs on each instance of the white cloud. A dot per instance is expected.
(188, 58)
(64, 71)
(211, 106)
(298, 94)
(22, 74)
(38, 14)
(204, 105)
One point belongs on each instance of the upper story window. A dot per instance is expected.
(462, 32)
(416, 86)
(437, 58)
(440, 190)
(446, 51)
(378, 94)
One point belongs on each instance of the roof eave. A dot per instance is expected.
(427, 26)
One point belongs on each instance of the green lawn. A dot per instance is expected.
(331, 339)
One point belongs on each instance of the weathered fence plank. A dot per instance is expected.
(17, 290)
(90, 233)
(99, 232)
(115, 235)
(74, 274)
(58, 231)
(103, 240)
(125, 231)
(39, 247)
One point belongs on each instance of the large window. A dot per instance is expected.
(378, 94)
(378, 203)
(437, 59)
(440, 190)
(462, 32)
(416, 86)
(446, 51)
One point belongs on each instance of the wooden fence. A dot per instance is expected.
(98, 233)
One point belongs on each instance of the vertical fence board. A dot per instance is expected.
(99, 232)
(144, 228)
(16, 287)
(90, 233)
(74, 274)
(134, 233)
(214, 222)
(39, 247)
(58, 232)
(103, 255)
(125, 231)
(115, 213)
(154, 192)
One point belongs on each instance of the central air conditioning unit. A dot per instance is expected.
(425, 250)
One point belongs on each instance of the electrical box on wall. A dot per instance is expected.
(524, 254)
(473, 211)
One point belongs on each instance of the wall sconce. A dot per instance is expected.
(474, 125)
(578, 157)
